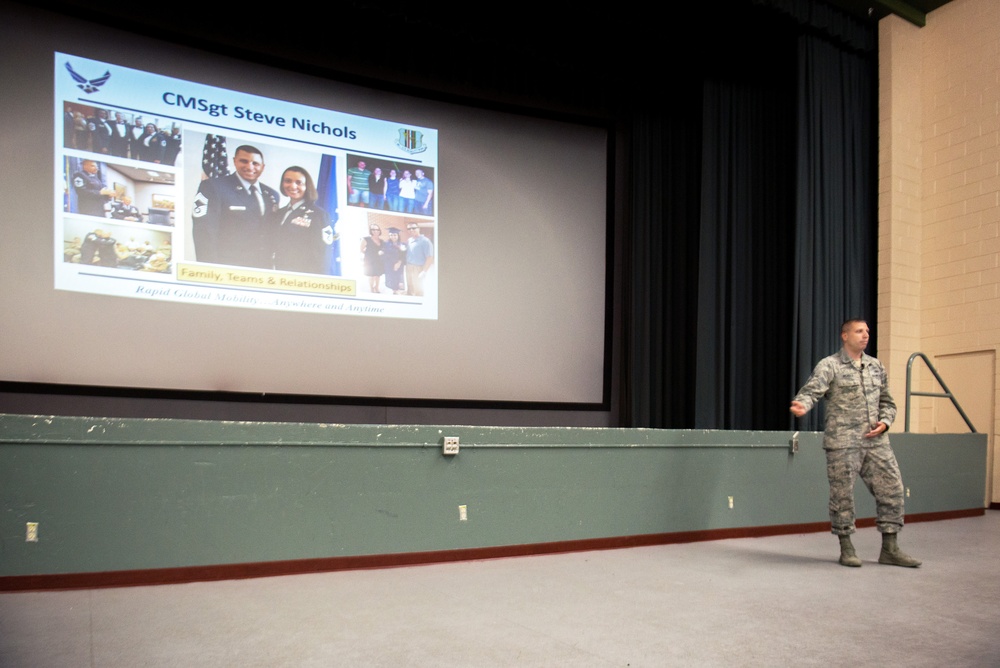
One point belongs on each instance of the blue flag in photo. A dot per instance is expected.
(326, 187)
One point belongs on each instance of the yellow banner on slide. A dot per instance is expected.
(266, 280)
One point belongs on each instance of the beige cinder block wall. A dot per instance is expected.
(939, 214)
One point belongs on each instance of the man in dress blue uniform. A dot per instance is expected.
(859, 412)
(91, 194)
(230, 213)
(123, 209)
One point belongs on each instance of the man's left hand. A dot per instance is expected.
(876, 430)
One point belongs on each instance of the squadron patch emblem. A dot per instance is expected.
(200, 206)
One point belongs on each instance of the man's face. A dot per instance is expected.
(89, 166)
(414, 230)
(419, 173)
(249, 165)
(118, 118)
(855, 336)
(361, 165)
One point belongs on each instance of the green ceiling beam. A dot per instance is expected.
(905, 10)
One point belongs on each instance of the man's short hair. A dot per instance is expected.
(247, 148)
(850, 321)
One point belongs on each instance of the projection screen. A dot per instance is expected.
(180, 220)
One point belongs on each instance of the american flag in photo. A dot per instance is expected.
(214, 159)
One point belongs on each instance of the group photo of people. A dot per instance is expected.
(118, 191)
(120, 134)
(262, 206)
(389, 185)
(116, 246)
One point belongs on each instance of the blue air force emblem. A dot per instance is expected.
(88, 85)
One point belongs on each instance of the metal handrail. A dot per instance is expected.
(947, 393)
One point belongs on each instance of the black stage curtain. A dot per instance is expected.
(753, 224)
(836, 258)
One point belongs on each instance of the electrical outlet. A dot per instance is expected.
(450, 445)
(31, 532)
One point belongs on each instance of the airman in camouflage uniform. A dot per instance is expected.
(859, 412)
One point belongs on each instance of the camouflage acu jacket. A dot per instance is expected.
(856, 399)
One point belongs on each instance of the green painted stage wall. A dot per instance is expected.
(112, 494)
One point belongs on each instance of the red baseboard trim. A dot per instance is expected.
(185, 574)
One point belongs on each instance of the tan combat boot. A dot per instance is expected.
(892, 555)
(848, 557)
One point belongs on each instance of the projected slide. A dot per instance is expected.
(172, 190)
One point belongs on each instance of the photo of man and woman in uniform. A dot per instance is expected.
(260, 205)
(119, 134)
(276, 207)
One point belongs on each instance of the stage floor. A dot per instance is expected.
(772, 601)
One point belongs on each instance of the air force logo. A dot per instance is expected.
(88, 85)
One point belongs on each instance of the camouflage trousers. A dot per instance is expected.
(878, 469)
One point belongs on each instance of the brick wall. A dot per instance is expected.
(939, 202)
